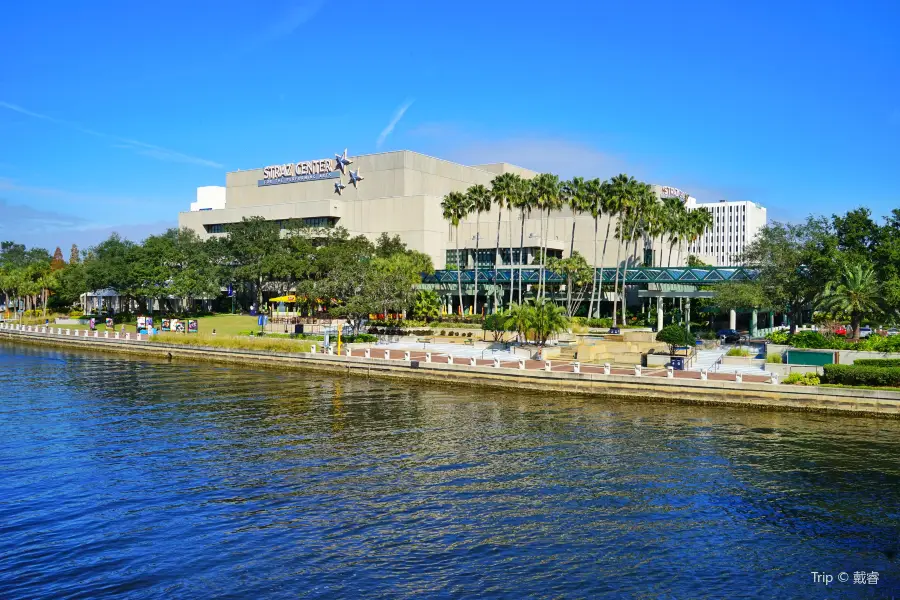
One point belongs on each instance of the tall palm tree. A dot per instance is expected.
(504, 189)
(456, 206)
(548, 197)
(656, 228)
(857, 293)
(641, 198)
(575, 194)
(479, 198)
(522, 200)
(674, 218)
(594, 205)
(700, 221)
(620, 192)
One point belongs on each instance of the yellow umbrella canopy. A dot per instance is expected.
(291, 298)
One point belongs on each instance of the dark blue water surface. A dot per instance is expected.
(140, 479)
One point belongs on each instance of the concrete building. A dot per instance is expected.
(735, 225)
(210, 197)
(400, 193)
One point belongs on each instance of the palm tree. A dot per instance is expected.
(655, 227)
(547, 196)
(594, 204)
(575, 193)
(641, 197)
(456, 206)
(519, 319)
(620, 192)
(479, 199)
(504, 189)
(546, 319)
(699, 220)
(674, 217)
(524, 201)
(857, 293)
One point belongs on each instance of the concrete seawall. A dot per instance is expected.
(756, 395)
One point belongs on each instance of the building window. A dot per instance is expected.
(452, 259)
(217, 228)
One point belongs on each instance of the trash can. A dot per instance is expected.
(678, 363)
(298, 328)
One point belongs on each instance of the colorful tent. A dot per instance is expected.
(291, 298)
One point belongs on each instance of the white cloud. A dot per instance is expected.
(394, 120)
(142, 148)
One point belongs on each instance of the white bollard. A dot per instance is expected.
(521, 364)
(496, 362)
(368, 353)
(670, 373)
(137, 336)
(774, 379)
(547, 366)
(106, 334)
(312, 349)
(428, 357)
(387, 355)
(704, 375)
(576, 367)
(127, 335)
(449, 359)
(738, 378)
(607, 369)
(96, 334)
(68, 332)
(77, 333)
(117, 335)
(472, 362)
(637, 370)
(406, 356)
(348, 352)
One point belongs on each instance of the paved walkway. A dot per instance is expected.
(440, 353)
(709, 360)
(561, 366)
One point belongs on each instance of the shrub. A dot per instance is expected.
(443, 332)
(675, 335)
(774, 359)
(605, 322)
(802, 379)
(706, 334)
(778, 337)
(878, 362)
(862, 375)
(468, 334)
(738, 352)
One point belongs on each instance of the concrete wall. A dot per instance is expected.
(401, 195)
(848, 357)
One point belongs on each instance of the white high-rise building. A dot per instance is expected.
(735, 224)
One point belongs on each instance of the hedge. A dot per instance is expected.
(862, 375)
(878, 362)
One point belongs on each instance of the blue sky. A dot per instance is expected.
(112, 113)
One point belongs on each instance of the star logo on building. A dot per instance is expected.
(342, 161)
(355, 178)
(339, 187)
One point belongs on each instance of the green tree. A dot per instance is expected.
(112, 264)
(595, 204)
(74, 255)
(578, 275)
(739, 296)
(545, 320)
(546, 194)
(620, 202)
(479, 200)
(427, 305)
(456, 207)
(857, 292)
(505, 188)
(795, 262)
(674, 336)
(497, 324)
(58, 262)
(256, 250)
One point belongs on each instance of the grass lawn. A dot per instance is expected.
(225, 325)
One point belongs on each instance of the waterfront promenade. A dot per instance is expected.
(560, 377)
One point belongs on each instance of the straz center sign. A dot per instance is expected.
(311, 170)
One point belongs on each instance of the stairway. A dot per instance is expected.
(707, 359)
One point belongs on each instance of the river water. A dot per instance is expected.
(141, 479)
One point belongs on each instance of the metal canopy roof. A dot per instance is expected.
(683, 275)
